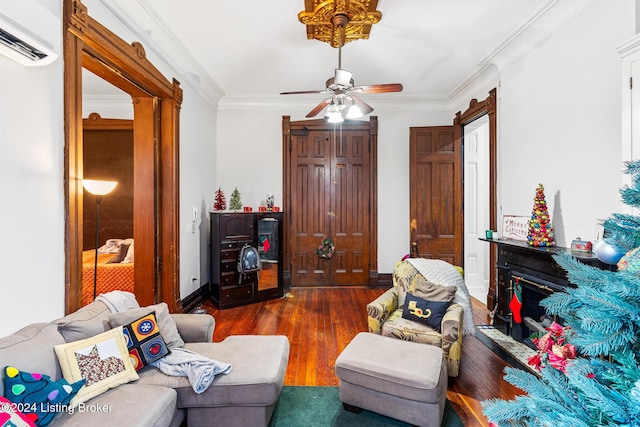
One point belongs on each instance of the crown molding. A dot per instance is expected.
(542, 24)
(155, 35)
(629, 47)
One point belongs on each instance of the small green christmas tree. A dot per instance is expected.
(219, 202)
(540, 229)
(234, 203)
(589, 365)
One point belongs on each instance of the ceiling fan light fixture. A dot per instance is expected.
(334, 117)
(333, 109)
(342, 77)
(354, 112)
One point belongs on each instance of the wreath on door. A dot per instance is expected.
(326, 248)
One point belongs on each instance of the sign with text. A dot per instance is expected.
(515, 227)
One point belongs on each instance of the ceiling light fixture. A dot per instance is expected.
(341, 17)
(319, 18)
(354, 112)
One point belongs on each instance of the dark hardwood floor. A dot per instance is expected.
(320, 322)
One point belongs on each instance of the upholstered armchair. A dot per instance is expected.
(385, 314)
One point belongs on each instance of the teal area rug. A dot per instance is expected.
(321, 406)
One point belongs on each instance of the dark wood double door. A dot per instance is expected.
(330, 192)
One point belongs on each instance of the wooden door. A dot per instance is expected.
(310, 206)
(348, 217)
(328, 180)
(435, 169)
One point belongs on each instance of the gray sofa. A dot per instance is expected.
(246, 396)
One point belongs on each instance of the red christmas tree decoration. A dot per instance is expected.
(219, 203)
(540, 229)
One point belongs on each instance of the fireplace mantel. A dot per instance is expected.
(535, 265)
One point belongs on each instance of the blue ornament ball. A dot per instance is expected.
(608, 253)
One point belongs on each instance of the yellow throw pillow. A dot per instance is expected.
(103, 360)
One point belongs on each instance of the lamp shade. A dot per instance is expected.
(97, 187)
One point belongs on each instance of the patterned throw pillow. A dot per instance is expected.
(144, 341)
(36, 395)
(425, 289)
(167, 325)
(427, 312)
(103, 361)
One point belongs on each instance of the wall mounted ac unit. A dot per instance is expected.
(29, 33)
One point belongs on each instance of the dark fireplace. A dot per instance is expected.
(539, 275)
(534, 318)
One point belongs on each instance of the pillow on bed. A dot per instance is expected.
(128, 259)
(122, 253)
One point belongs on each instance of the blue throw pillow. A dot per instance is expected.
(38, 394)
(423, 311)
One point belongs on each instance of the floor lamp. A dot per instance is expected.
(98, 189)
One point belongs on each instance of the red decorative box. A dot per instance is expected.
(579, 245)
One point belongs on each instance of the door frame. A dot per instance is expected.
(476, 109)
(156, 103)
(320, 124)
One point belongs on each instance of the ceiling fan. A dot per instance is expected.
(344, 101)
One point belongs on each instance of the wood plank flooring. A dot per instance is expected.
(320, 322)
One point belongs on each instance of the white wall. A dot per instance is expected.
(560, 123)
(32, 213)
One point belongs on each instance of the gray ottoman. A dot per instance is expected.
(400, 379)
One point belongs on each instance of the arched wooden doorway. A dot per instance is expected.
(156, 102)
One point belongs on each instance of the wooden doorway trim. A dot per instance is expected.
(477, 109)
(156, 102)
(320, 124)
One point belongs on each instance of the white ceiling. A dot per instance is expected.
(259, 48)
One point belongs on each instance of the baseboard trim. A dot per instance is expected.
(385, 280)
(195, 299)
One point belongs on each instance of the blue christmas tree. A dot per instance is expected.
(589, 365)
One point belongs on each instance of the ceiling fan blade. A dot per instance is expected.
(364, 107)
(318, 108)
(301, 92)
(380, 88)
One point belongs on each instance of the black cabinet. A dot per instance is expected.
(229, 232)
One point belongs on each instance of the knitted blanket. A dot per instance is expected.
(118, 300)
(199, 370)
(444, 274)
